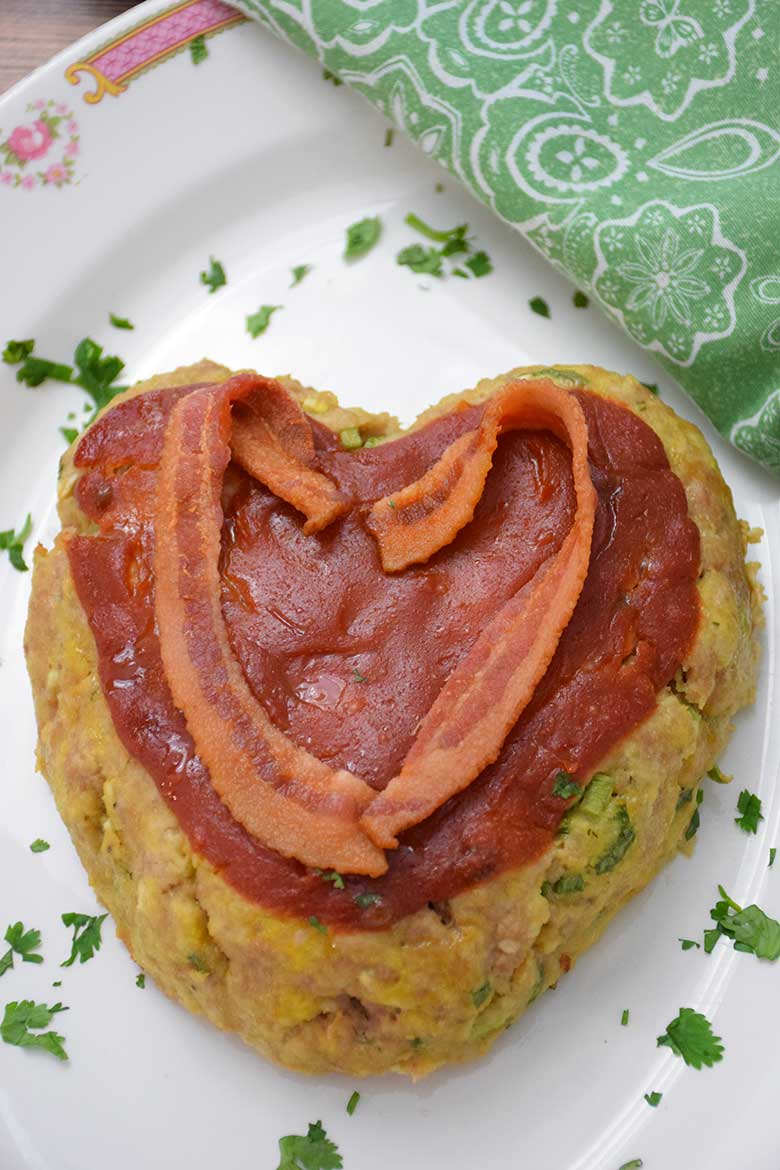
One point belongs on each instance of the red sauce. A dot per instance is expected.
(347, 659)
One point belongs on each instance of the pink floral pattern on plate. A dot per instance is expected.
(41, 152)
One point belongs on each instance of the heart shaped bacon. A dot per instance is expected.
(283, 795)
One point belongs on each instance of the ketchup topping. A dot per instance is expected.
(347, 659)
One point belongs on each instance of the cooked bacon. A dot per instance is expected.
(283, 795)
(272, 440)
(482, 700)
(280, 793)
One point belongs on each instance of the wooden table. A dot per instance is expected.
(32, 31)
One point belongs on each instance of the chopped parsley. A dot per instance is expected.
(35, 370)
(120, 322)
(654, 1099)
(688, 944)
(362, 236)
(198, 963)
(350, 438)
(579, 300)
(39, 845)
(749, 809)
(94, 373)
(751, 930)
(140, 980)
(328, 76)
(634, 1164)
(315, 922)
(330, 875)
(315, 1151)
(69, 434)
(352, 1104)
(481, 994)
(690, 1036)
(427, 261)
(539, 306)
(13, 543)
(257, 323)
(620, 846)
(366, 900)
(624, 1017)
(772, 856)
(22, 1023)
(389, 136)
(299, 272)
(86, 936)
(358, 677)
(214, 276)
(17, 351)
(566, 786)
(452, 242)
(23, 943)
(198, 50)
(479, 264)
(652, 387)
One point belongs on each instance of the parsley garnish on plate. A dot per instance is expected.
(23, 943)
(634, 1164)
(198, 50)
(362, 236)
(86, 936)
(566, 786)
(22, 1022)
(214, 276)
(358, 677)
(315, 1151)
(39, 845)
(328, 76)
(579, 300)
(654, 1098)
(772, 856)
(352, 1104)
(257, 323)
(13, 543)
(389, 136)
(453, 241)
(751, 930)
(120, 322)
(299, 272)
(624, 1017)
(140, 980)
(688, 944)
(17, 351)
(315, 922)
(94, 373)
(690, 1036)
(749, 809)
(539, 306)
(652, 387)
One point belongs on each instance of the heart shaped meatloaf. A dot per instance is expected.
(363, 735)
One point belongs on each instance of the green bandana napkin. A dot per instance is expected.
(635, 143)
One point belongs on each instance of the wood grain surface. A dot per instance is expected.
(32, 31)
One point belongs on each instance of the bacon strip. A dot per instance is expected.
(283, 795)
(272, 440)
(482, 700)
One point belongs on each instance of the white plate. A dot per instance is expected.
(253, 158)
